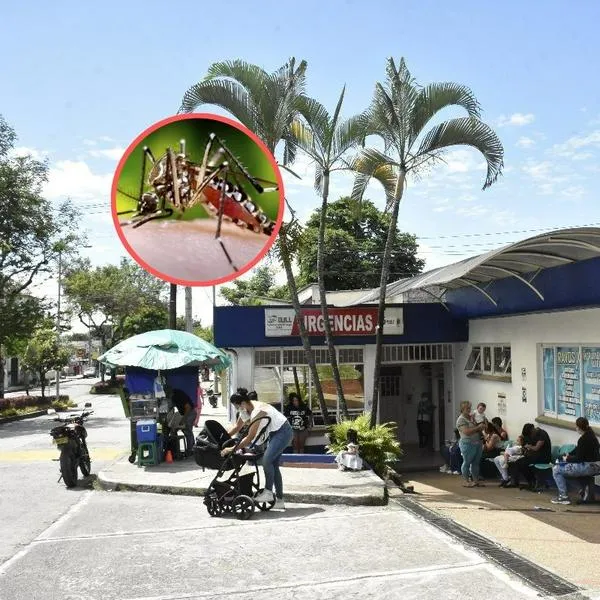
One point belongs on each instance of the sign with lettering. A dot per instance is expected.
(549, 381)
(569, 384)
(591, 383)
(282, 322)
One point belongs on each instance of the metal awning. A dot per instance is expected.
(522, 260)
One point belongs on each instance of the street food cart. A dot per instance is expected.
(157, 363)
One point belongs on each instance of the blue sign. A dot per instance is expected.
(549, 381)
(568, 371)
(591, 384)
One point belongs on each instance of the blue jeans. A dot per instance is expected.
(452, 456)
(278, 441)
(471, 453)
(561, 471)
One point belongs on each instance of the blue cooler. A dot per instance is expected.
(146, 431)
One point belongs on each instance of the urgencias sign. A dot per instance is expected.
(282, 322)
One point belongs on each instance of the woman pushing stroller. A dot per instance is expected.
(279, 435)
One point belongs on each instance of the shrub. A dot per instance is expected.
(18, 404)
(108, 386)
(377, 446)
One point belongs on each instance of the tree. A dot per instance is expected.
(32, 231)
(248, 292)
(399, 114)
(268, 104)
(354, 237)
(114, 301)
(44, 353)
(326, 140)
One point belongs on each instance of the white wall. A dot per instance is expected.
(524, 333)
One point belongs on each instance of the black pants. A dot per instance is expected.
(522, 467)
(424, 429)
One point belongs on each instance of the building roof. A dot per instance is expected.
(521, 260)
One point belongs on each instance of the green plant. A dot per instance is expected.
(377, 446)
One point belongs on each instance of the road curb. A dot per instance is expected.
(31, 415)
(109, 485)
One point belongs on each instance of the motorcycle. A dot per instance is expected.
(212, 398)
(70, 438)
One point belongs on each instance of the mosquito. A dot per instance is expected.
(214, 183)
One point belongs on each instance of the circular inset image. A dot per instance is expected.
(197, 199)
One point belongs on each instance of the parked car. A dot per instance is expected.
(89, 372)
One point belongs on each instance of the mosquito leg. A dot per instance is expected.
(259, 188)
(224, 168)
(174, 179)
(162, 214)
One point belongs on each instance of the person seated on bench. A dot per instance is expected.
(584, 461)
(538, 449)
(452, 456)
(492, 444)
(497, 421)
(510, 455)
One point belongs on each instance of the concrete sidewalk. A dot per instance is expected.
(563, 539)
(301, 485)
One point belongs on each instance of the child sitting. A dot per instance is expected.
(349, 458)
(510, 455)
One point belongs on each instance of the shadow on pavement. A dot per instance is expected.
(576, 520)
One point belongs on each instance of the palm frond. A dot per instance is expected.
(228, 95)
(467, 131)
(250, 76)
(373, 164)
(349, 134)
(437, 96)
(318, 120)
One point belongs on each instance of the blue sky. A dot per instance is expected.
(80, 81)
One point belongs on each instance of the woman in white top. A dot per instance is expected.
(279, 434)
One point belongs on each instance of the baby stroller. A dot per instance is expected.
(232, 493)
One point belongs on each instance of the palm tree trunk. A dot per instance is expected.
(297, 381)
(323, 297)
(173, 307)
(385, 271)
(310, 359)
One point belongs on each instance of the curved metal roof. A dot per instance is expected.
(522, 260)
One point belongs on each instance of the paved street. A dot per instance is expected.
(125, 545)
(30, 497)
(85, 544)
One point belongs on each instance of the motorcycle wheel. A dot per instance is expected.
(68, 466)
(85, 463)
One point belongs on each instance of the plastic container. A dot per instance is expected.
(146, 431)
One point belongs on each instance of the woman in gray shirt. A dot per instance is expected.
(470, 444)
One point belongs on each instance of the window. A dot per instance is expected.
(494, 361)
(571, 381)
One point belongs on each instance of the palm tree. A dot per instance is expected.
(399, 114)
(326, 140)
(266, 103)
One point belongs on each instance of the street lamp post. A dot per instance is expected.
(58, 322)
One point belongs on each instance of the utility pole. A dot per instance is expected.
(58, 322)
(216, 386)
(189, 325)
(173, 307)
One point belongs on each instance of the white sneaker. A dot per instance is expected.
(279, 504)
(264, 496)
(443, 469)
(455, 472)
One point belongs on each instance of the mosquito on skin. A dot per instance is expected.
(214, 183)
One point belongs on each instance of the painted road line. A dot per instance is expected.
(51, 453)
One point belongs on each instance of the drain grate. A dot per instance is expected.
(535, 576)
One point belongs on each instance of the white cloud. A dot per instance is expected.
(525, 142)
(89, 142)
(75, 179)
(574, 146)
(540, 170)
(574, 192)
(33, 152)
(517, 119)
(111, 153)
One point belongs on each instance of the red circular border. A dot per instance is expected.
(242, 129)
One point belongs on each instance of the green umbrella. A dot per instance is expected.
(165, 349)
